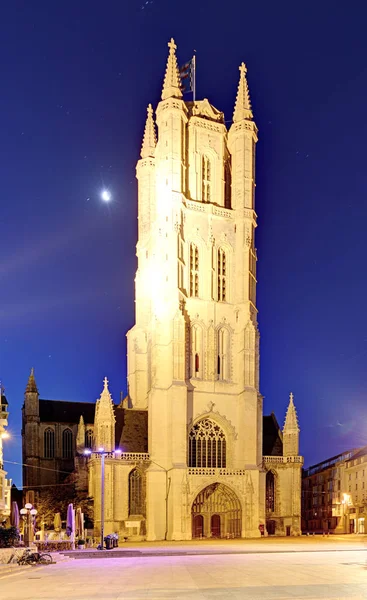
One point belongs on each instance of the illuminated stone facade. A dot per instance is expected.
(193, 353)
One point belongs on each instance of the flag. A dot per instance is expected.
(187, 74)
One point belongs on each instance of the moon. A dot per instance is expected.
(105, 195)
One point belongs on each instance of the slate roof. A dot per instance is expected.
(64, 411)
(131, 427)
(272, 436)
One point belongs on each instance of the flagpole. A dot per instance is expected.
(194, 78)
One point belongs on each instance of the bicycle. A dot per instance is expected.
(34, 558)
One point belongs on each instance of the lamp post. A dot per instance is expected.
(102, 452)
(28, 514)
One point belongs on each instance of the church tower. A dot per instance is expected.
(193, 358)
(30, 436)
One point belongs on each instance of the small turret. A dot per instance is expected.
(291, 430)
(104, 421)
(150, 138)
(172, 81)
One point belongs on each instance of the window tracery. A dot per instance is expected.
(136, 504)
(207, 445)
(67, 443)
(49, 443)
(206, 179)
(221, 275)
(89, 438)
(194, 271)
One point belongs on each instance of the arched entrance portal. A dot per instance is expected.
(220, 510)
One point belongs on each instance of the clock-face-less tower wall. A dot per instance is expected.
(193, 358)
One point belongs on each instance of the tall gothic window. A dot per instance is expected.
(89, 439)
(227, 184)
(207, 445)
(67, 443)
(270, 492)
(196, 351)
(194, 270)
(49, 443)
(206, 179)
(222, 275)
(136, 501)
(223, 354)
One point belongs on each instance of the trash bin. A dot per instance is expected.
(109, 544)
(115, 541)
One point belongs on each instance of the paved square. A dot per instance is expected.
(278, 574)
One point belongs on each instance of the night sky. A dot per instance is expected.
(76, 77)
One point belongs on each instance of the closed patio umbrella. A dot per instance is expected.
(79, 523)
(57, 523)
(14, 515)
(70, 523)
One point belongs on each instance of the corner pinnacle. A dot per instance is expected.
(242, 108)
(172, 84)
(150, 138)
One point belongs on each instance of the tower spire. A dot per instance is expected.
(31, 385)
(242, 108)
(291, 419)
(150, 138)
(171, 85)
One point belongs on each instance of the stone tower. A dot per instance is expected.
(30, 434)
(193, 358)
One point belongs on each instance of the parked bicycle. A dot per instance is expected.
(34, 558)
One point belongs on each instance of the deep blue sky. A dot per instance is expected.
(76, 77)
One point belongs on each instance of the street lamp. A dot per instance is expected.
(28, 514)
(102, 452)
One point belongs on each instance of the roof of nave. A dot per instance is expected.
(131, 426)
(66, 411)
(272, 436)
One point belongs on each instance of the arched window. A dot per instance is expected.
(206, 179)
(49, 443)
(228, 183)
(89, 438)
(270, 492)
(222, 275)
(136, 502)
(67, 443)
(196, 351)
(194, 270)
(223, 354)
(207, 445)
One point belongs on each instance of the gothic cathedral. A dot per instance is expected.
(214, 465)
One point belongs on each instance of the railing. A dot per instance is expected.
(283, 459)
(126, 456)
(215, 471)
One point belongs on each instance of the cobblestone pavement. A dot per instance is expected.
(286, 574)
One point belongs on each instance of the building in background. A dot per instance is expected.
(355, 484)
(213, 465)
(334, 494)
(4, 483)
